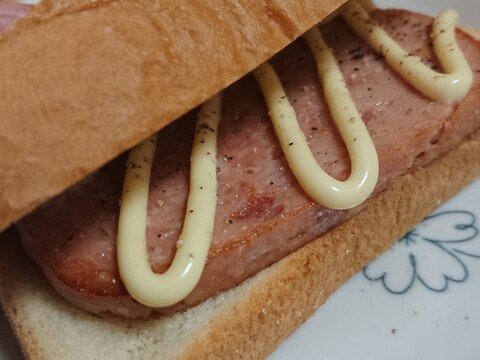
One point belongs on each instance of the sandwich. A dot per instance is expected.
(260, 169)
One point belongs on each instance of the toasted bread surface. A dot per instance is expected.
(83, 81)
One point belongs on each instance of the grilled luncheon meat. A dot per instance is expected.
(262, 213)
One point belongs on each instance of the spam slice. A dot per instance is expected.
(262, 213)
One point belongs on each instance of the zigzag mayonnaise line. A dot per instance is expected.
(316, 182)
(160, 290)
(449, 87)
(147, 287)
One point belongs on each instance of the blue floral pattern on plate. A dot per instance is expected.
(430, 254)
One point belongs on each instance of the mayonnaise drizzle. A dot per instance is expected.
(147, 287)
(160, 290)
(313, 179)
(446, 88)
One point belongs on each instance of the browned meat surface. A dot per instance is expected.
(262, 213)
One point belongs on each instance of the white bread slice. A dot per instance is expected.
(249, 321)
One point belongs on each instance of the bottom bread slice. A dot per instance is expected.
(247, 322)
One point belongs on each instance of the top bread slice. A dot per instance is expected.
(83, 81)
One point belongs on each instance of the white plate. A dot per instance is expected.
(420, 300)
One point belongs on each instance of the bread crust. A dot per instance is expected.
(134, 67)
(247, 322)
